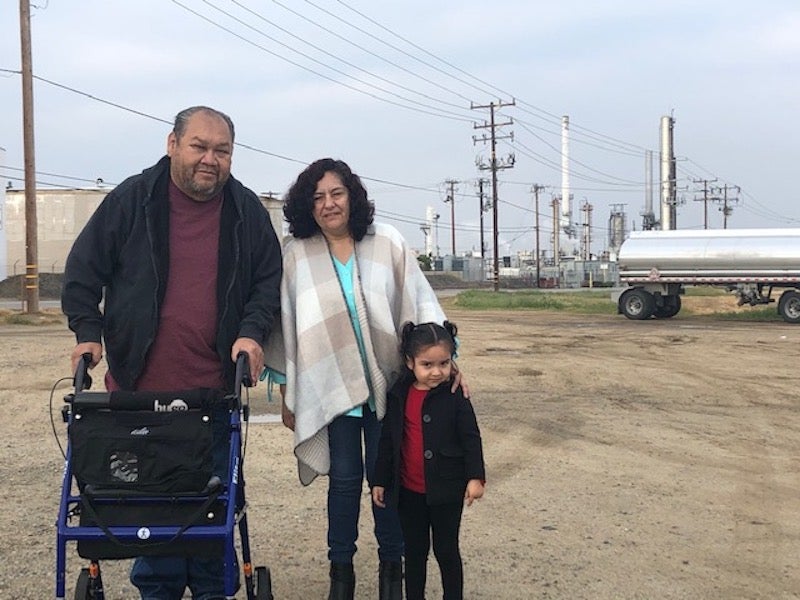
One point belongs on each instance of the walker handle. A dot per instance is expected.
(82, 380)
(242, 371)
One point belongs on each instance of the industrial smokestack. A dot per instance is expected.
(566, 201)
(432, 241)
(668, 198)
(648, 216)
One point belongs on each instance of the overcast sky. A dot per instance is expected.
(388, 86)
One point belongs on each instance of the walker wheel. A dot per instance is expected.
(263, 584)
(87, 588)
(83, 586)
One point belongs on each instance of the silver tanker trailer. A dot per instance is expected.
(657, 265)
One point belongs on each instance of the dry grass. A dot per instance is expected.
(47, 316)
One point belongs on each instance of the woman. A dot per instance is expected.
(348, 287)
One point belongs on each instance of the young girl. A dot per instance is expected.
(430, 457)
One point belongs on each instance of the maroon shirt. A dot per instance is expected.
(183, 355)
(412, 463)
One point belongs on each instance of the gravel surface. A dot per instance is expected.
(626, 460)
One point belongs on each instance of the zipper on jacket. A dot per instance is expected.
(151, 240)
(232, 273)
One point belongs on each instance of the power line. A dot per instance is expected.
(585, 166)
(366, 50)
(606, 143)
(237, 143)
(524, 106)
(427, 110)
(70, 177)
(397, 49)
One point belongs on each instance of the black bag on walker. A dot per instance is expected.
(129, 448)
(142, 451)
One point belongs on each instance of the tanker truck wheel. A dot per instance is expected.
(789, 306)
(670, 307)
(637, 304)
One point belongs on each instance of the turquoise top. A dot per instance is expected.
(344, 271)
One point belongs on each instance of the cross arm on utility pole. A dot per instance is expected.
(705, 199)
(726, 199)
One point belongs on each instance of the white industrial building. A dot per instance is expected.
(60, 215)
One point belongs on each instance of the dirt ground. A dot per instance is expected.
(626, 460)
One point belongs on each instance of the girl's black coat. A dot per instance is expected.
(453, 452)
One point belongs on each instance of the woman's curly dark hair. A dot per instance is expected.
(298, 203)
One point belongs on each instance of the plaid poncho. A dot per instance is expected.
(324, 371)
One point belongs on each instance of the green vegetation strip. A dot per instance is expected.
(753, 314)
(591, 303)
(572, 302)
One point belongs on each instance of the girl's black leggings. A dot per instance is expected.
(420, 523)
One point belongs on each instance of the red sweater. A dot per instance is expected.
(183, 355)
(412, 467)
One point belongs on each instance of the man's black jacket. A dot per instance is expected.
(122, 256)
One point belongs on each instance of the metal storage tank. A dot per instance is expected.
(711, 253)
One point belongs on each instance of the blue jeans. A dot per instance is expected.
(345, 488)
(166, 577)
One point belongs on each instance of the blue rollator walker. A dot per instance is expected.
(138, 481)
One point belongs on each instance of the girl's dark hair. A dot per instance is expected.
(298, 204)
(415, 338)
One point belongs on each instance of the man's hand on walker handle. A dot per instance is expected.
(93, 348)
(255, 355)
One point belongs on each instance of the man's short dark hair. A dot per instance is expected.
(182, 118)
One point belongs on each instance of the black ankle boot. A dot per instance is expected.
(343, 582)
(390, 580)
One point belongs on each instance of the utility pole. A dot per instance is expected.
(31, 247)
(587, 230)
(536, 189)
(648, 216)
(668, 182)
(494, 166)
(451, 198)
(556, 206)
(705, 198)
(726, 209)
(482, 209)
(436, 232)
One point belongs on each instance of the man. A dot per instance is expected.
(187, 265)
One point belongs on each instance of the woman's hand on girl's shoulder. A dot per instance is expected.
(458, 380)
